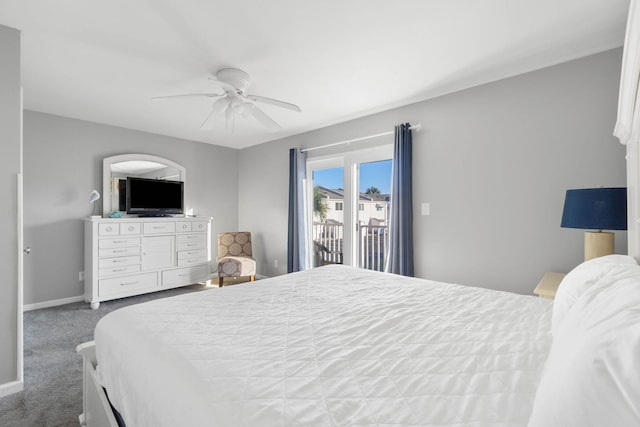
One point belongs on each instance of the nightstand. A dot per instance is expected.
(548, 285)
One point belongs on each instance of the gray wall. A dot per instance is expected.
(10, 111)
(63, 163)
(493, 161)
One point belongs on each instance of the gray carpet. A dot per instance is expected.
(52, 393)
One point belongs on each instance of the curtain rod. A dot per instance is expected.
(415, 127)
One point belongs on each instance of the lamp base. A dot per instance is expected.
(597, 244)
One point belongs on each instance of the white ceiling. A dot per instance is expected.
(103, 61)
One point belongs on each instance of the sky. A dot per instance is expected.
(374, 174)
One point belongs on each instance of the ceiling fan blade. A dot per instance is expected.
(265, 120)
(206, 121)
(275, 102)
(191, 95)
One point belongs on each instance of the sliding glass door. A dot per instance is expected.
(372, 225)
(349, 208)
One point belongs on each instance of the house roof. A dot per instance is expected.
(338, 194)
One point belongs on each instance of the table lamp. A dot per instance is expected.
(94, 196)
(596, 209)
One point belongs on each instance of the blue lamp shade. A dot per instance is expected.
(595, 209)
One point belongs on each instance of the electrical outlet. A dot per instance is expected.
(275, 263)
(81, 276)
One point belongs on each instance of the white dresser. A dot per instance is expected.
(132, 256)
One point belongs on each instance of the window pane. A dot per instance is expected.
(328, 216)
(373, 213)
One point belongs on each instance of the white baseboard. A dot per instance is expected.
(53, 303)
(10, 388)
(63, 301)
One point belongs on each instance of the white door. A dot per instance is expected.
(342, 217)
(158, 252)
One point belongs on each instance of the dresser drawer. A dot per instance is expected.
(113, 271)
(195, 253)
(130, 228)
(199, 226)
(190, 261)
(127, 284)
(192, 244)
(118, 242)
(118, 251)
(159, 227)
(184, 226)
(108, 229)
(185, 276)
(192, 237)
(118, 261)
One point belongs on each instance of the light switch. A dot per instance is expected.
(426, 209)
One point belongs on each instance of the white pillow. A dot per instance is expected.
(578, 280)
(592, 376)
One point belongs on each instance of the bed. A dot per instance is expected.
(336, 346)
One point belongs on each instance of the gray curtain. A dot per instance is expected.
(296, 244)
(400, 255)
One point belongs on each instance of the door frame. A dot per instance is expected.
(350, 161)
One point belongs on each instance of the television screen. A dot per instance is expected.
(154, 197)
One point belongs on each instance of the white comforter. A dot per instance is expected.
(334, 346)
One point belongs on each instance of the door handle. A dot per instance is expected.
(27, 250)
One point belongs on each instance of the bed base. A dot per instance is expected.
(96, 410)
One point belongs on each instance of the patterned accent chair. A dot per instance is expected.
(235, 256)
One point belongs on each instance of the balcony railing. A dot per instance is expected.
(329, 236)
(373, 242)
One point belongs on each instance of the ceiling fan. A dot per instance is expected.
(234, 101)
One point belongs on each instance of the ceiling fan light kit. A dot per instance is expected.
(235, 102)
(239, 79)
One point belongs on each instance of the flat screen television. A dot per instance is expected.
(154, 197)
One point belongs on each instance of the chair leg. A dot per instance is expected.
(253, 278)
(220, 279)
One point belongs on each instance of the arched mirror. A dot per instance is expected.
(116, 169)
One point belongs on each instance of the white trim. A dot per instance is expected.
(20, 248)
(20, 299)
(52, 303)
(350, 161)
(11, 388)
(415, 127)
(627, 127)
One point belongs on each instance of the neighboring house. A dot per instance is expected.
(373, 210)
